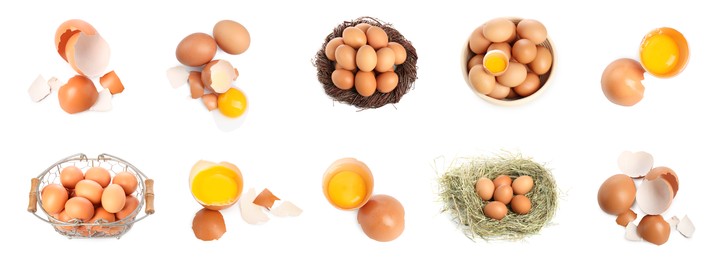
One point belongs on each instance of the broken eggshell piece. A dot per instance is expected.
(111, 82)
(658, 189)
(218, 75)
(77, 95)
(265, 199)
(104, 102)
(286, 209)
(39, 89)
(636, 164)
(208, 225)
(82, 47)
(251, 213)
(631, 232)
(654, 229)
(177, 76)
(685, 227)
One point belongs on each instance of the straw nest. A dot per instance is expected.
(466, 207)
(406, 71)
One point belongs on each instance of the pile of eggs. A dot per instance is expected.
(213, 81)
(91, 197)
(664, 53)
(499, 193)
(365, 60)
(508, 59)
(347, 184)
(655, 194)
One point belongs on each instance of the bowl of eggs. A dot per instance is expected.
(509, 61)
(84, 197)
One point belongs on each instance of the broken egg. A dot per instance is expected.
(347, 184)
(658, 189)
(617, 194)
(215, 185)
(77, 95)
(208, 225)
(636, 164)
(79, 44)
(218, 76)
(654, 229)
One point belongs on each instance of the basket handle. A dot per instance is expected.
(32, 207)
(149, 196)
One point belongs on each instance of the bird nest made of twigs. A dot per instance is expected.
(407, 71)
(466, 207)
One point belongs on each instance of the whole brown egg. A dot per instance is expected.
(382, 218)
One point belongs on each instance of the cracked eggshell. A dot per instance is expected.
(39, 89)
(626, 217)
(82, 47)
(286, 209)
(177, 76)
(686, 227)
(251, 213)
(104, 102)
(635, 164)
(111, 82)
(208, 225)
(265, 199)
(77, 95)
(218, 76)
(631, 232)
(617, 194)
(658, 189)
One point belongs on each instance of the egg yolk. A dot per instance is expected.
(347, 189)
(216, 186)
(495, 64)
(232, 103)
(659, 54)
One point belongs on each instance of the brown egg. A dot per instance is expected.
(101, 215)
(524, 51)
(621, 82)
(484, 188)
(343, 79)
(503, 193)
(129, 206)
(365, 83)
(400, 53)
(522, 185)
(346, 57)
(127, 181)
(99, 175)
(90, 190)
(208, 225)
(495, 210)
(385, 60)
(377, 37)
(366, 58)
(625, 218)
(502, 46)
(196, 49)
(481, 81)
(363, 27)
(332, 46)
(654, 229)
(514, 75)
(542, 62)
(382, 218)
(77, 95)
(354, 37)
(499, 91)
(532, 30)
(387, 81)
(62, 216)
(616, 194)
(79, 208)
(521, 204)
(231, 36)
(529, 86)
(513, 95)
(70, 175)
(502, 180)
(113, 198)
(499, 30)
(477, 42)
(54, 196)
(475, 60)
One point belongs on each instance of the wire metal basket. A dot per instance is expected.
(76, 228)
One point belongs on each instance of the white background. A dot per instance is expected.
(294, 131)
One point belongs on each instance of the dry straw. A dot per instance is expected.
(460, 199)
(406, 71)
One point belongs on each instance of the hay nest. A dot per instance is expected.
(466, 207)
(406, 71)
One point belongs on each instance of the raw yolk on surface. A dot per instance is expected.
(659, 54)
(216, 186)
(495, 64)
(347, 189)
(232, 103)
